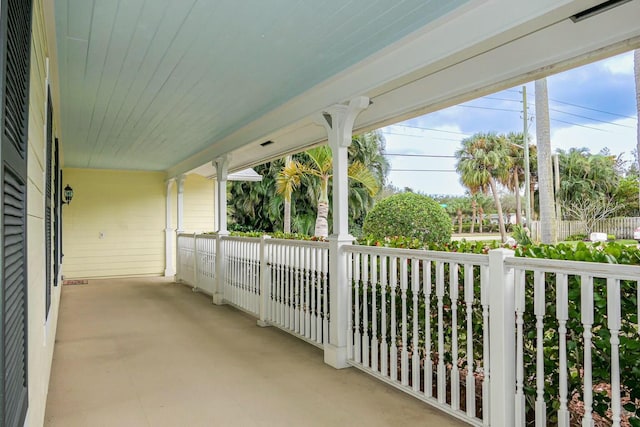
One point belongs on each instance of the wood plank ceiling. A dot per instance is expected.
(145, 84)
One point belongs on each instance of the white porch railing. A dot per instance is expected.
(491, 339)
(298, 288)
(413, 321)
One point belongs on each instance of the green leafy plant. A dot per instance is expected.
(410, 215)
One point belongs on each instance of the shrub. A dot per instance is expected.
(576, 237)
(410, 215)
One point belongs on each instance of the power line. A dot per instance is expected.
(591, 118)
(488, 108)
(419, 136)
(432, 129)
(419, 155)
(593, 109)
(576, 124)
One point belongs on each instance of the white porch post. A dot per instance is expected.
(502, 346)
(168, 235)
(222, 165)
(180, 216)
(338, 121)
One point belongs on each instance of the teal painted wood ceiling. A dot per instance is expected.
(145, 84)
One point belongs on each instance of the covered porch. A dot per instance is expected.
(150, 352)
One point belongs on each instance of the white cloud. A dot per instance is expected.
(621, 64)
(618, 136)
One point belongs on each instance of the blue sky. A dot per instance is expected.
(591, 106)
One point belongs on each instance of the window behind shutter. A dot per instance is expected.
(15, 45)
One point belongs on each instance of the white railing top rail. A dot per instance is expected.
(478, 259)
(207, 236)
(242, 239)
(298, 243)
(596, 269)
(183, 234)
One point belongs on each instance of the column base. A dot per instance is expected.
(263, 324)
(218, 299)
(335, 356)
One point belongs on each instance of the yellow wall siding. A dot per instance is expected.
(41, 333)
(115, 223)
(198, 204)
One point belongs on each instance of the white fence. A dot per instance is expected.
(489, 338)
(622, 228)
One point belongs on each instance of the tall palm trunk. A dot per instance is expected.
(496, 198)
(287, 204)
(480, 217)
(516, 182)
(545, 175)
(636, 67)
(459, 214)
(322, 225)
(474, 207)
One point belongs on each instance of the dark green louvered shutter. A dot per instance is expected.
(57, 208)
(47, 207)
(15, 46)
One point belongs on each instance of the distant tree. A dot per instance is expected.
(590, 210)
(483, 161)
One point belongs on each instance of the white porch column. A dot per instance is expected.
(338, 121)
(222, 166)
(168, 235)
(180, 219)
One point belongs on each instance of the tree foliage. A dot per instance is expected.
(410, 215)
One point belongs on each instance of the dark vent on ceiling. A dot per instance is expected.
(264, 144)
(592, 11)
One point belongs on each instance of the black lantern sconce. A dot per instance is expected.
(68, 194)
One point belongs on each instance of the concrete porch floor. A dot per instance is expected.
(149, 352)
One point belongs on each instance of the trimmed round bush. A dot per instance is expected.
(409, 215)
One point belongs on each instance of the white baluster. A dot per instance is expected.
(393, 351)
(325, 305)
(486, 355)
(357, 337)
(470, 380)
(428, 364)
(415, 350)
(384, 346)
(613, 323)
(586, 315)
(314, 292)
(404, 367)
(350, 280)
(318, 291)
(365, 310)
(562, 314)
(539, 305)
(442, 375)
(519, 290)
(296, 274)
(374, 312)
(455, 373)
(307, 309)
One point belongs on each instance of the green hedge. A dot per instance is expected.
(411, 215)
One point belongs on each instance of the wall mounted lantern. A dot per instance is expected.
(68, 194)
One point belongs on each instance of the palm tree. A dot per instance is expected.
(545, 174)
(319, 165)
(483, 161)
(516, 172)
